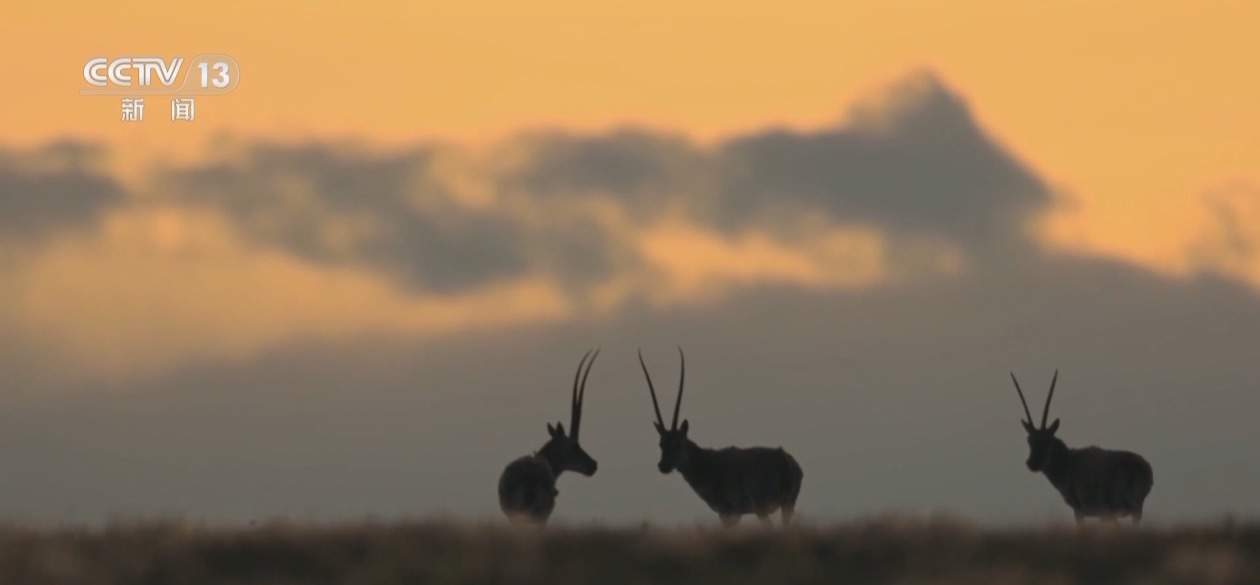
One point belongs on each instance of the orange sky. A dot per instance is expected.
(1134, 109)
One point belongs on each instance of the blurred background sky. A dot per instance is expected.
(358, 285)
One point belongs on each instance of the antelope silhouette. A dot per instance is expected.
(732, 481)
(527, 488)
(1095, 482)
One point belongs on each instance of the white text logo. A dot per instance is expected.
(204, 75)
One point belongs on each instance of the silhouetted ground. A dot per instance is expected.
(878, 551)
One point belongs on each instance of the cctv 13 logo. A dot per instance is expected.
(208, 74)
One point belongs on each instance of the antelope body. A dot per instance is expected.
(527, 488)
(1095, 482)
(733, 481)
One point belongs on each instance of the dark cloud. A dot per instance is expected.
(51, 188)
(915, 164)
(919, 166)
(394, 213)
(640, 169)
(338, 204)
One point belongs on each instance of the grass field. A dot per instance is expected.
(877, 551)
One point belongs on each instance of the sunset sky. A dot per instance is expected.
(400, 194)
(1135, 110)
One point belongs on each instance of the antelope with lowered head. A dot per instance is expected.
(733, 481)
(527, 488)
(1095, 482)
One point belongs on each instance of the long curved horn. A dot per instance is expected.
(1021, 398)
(682, 376)
(1045, 412)
(581, 396)
(575, 411)
(656, 407)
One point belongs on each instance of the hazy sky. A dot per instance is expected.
(359, 284)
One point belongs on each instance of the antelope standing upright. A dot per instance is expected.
(1093, 481)
(527, 488)
(732, 481)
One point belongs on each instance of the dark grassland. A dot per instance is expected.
(877, 551)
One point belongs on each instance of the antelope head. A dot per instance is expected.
(563, 450)
(674, 451)
(1040, 440)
